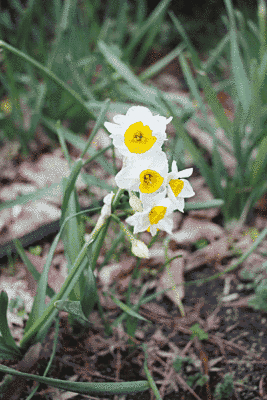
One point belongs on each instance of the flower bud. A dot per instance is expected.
(135, 203)
(139, 249)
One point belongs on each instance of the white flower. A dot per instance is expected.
(178, 188)
(105, 211)
(144, 173)
(138, 131)
(156, 216)
(139, 249)
(135, 203)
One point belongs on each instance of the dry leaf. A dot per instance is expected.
(194, 229)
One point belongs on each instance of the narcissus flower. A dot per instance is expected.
(139, 249)
(105, 211)
(145, 173)
(137, 132)
(157, 216)
(178, 188)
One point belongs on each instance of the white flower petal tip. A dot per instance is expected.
(139, 249)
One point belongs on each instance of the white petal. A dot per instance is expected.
(166, 224)
(140, 222)
(113, 128)
(174, 166)
(185, 173)
(151, 200)
(119, 119)
(187, 190)
(139, 112)
(179, 204)
(153, 229)
(124, 180)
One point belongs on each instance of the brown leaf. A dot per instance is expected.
(194, 229)
(214, 252)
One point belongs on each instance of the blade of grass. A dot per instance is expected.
(154, 69)
(24, 26)
(149, 39)
(101, 388)
(141, 11)
(31, 268)
(241, 80)
(127, 309)
(215, 54)
(192, 84)
(190, 146)
(123, 70)
(203, 79)
(7, 353)
(262, 13)
(122, 22)
(4, 328)
(98, 124)
(149, 376)
(141, 31)
(49, 74)
(42, 89)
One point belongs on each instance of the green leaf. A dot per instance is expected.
(198, 332)
(36, 274)
(127, 309)
(259, 164)
(97, 388)
(147, 26)
(158, 66)
(72, 307)
(126, 73)
(8, 353)
(203, 79)
(242, 83)
(89, 290)
(149, 376)
(4, 329)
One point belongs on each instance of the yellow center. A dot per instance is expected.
(150, 181)
(6, 106)
(156, 214)
(138, 138)
(148, 229)
(176, 186)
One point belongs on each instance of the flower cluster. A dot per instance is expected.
(139, 137)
